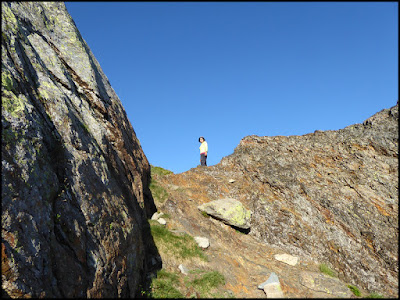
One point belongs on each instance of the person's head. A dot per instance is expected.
(201, 139)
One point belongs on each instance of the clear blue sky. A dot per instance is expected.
(226, 70)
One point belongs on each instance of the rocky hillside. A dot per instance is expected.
(75, 195)
(326, 199)
(298, 216)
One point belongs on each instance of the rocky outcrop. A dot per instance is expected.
(75, 195)
(328, 197)
(331, 195)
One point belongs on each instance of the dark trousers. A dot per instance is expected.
(203, 159)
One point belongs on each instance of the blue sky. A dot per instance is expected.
(226, 70)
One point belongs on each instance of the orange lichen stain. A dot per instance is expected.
(224, 189)
(235, 262)
(6, 270)
(361, 147)
(245, 289)
(348, 232)
(9, 237)
(333, 248)
(370, 244)
(328, 216)
(237, 289)
(234, 288)
(381, 209)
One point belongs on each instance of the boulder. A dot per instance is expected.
(228, 210)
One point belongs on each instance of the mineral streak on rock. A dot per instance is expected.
(75, 195)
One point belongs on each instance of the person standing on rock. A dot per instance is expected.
(203, 151)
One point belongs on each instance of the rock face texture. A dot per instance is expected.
(332, 196)
(328, 197)
(75, 195)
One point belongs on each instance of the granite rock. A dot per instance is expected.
(75, 196)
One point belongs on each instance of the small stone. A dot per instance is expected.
(232, 180)
(273, 278)
(287, 259)
(161, 221)
(203, 242)
(183, 269)
(156, 215)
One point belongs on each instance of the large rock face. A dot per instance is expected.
(332, 196)
(328, 197)
(74, 177)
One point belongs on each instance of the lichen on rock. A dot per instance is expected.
(228, 210)
(75, 196)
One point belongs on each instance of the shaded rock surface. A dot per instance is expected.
(75, 195)
(326, 197)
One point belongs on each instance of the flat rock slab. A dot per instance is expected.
(287, 259)
(273, 290)
(228, 210)
(272, 287)
(324, 284)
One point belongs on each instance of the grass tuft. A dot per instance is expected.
(326, 270)
(374, 295)
(208, 281)
(181, 246)
(159, 171)
(355, 290)
(158, 192)
(163, 285)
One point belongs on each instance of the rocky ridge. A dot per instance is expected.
(75, 197)
(328, 197)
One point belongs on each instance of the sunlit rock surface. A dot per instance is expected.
(328, 197)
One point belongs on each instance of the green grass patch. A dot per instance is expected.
(183, 246)
(374, 295)
(204, 214)
(158, 192)
(164, 285)
(160, 171)
(355, 290)
(160, 195)
(205, 283)
(326, 270)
